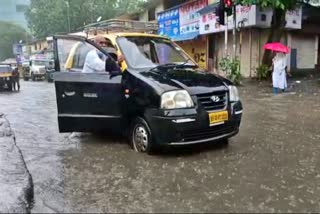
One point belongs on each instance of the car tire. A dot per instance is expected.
(225, 142)
(26, 79)
(9, 84)
(140, 137)
(33, 77)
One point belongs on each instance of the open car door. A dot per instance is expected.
(87, 102)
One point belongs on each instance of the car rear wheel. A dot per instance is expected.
(140, 137)
(9, 84)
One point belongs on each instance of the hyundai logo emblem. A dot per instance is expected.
(215, 99)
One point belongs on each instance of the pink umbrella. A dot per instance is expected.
(276, 46)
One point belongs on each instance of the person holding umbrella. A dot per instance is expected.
(279, 78)
(279, 62)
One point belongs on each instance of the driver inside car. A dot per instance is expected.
(96, 61)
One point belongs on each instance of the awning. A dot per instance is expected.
(210, 8)
(184, 37)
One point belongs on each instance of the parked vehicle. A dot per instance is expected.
(26, 70)
(160, 98)
(37, 70)
(6, 76)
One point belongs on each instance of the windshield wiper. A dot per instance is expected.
(173, 65)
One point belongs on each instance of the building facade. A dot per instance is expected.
(13, 11)
(203, 38)
(40, 47)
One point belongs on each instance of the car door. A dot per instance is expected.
(87, 102)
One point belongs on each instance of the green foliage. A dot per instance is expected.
(262, 72)
(9, 34)
(47, 17)
(275, 4)
(232, 69)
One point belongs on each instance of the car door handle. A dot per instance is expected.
(68, 93)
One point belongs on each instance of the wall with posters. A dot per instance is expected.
(189, 16)
(181, 22)
(197, 49)
(169, 23)
(248, 16)
(293, 18)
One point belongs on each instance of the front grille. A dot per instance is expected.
(206, 133)
(208, 103)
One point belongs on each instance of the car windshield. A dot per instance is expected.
(39, 63)
(148, 52)
(5, 69)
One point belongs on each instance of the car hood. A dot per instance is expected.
(195, 82)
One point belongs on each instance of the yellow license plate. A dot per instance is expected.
(218, 117)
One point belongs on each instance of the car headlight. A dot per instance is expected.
(176, 99)
(234, 94)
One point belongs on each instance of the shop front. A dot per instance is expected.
(197, 49)
(251, 33)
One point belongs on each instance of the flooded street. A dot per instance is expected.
(273, 165)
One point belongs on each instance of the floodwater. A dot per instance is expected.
(273, 165)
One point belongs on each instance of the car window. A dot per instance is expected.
(145, 52)
(80, 56)
(166, 55)
(72, 54)
(5, 69)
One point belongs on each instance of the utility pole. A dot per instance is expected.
(226, 34)
(227, 10)
(234, 12)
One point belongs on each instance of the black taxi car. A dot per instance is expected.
(161, 97)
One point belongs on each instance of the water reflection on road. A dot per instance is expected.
(271, 166)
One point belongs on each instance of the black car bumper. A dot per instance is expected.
(183, 127)
(39, 75)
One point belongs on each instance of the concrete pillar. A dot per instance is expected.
(289, 44)
(250, 51)
(316, 49)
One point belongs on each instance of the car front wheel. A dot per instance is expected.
(140, 137)
(225, 142)
(33, 77)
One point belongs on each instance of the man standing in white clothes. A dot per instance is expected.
(279, 78)
(95, 60)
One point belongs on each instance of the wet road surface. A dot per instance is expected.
(273, 165)
(16, 186)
